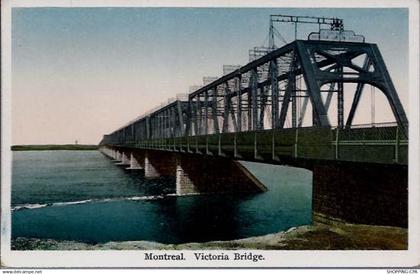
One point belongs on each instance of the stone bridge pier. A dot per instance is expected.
(195, 174)
(126, 157)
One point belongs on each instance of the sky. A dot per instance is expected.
(79, 73)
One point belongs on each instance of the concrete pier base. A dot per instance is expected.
(118, 156)
(125, 158)
(114, 155)
(184, 185)
(213, 175)
(107, 152)
(158, 163)
(110, 152)
(136, 162)
(150, 170)
(195, 174)
(360, 193)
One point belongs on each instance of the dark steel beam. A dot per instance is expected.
(357, 95)
(312, 85)
(226, 105)
(274, 93)
(214, 110)
(340, 99)
(239, 104)
(286, 98)
(389, 90)
(254, 97)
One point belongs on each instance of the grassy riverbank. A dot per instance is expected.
(54, 147)
(310, 237)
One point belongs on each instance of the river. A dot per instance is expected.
(83, 196)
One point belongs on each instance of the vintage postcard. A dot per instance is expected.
(210, 134)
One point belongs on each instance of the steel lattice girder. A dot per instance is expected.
(318, 62)
(169, 121)
(379, 77)
(319, 65)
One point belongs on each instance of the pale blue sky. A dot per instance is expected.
(78, 73)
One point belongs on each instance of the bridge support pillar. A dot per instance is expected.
(113, 154)
(136, 161)
(110, 153)
(184, 184)
(158, 164)
(118, 155)
(125, 160)
(373, 194)
(107, 152)
(149, 169)
(198, 174)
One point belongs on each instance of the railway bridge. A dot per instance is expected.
(286, 107)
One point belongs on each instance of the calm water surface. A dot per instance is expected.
(84, 196)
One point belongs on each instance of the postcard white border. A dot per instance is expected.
(43, 259)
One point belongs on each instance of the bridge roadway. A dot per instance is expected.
(385, 144)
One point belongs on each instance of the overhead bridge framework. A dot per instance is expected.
(258, 113)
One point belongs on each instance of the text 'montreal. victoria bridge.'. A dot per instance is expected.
(285, 107)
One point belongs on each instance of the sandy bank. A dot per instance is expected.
(310, 237)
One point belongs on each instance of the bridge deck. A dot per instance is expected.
(386, 145)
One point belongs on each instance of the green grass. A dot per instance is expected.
(54, 147)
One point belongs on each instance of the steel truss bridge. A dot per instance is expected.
(258, 111)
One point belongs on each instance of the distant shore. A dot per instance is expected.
(53, 147)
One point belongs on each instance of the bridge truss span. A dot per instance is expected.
(249, 99)
(294, 90)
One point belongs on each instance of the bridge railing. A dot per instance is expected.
(385, 144)
(376, 144)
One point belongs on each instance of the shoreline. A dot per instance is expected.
(53, 147)
(309, 237)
